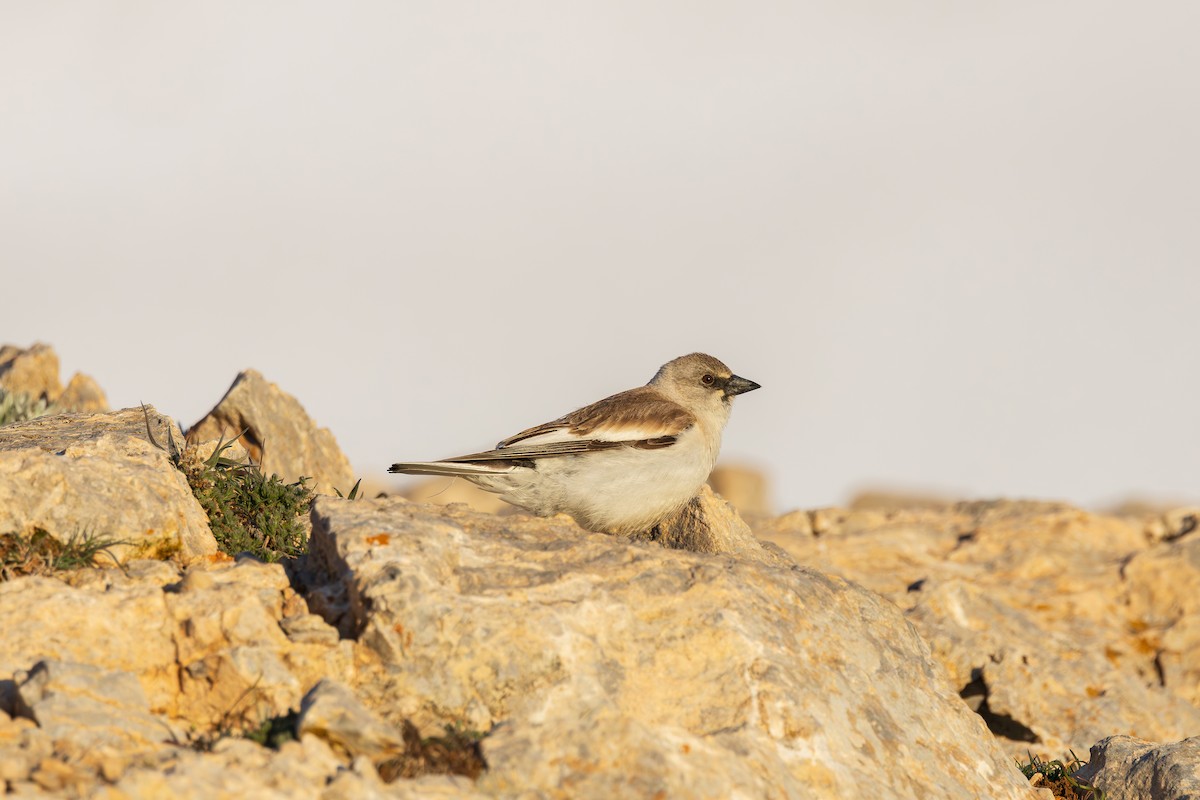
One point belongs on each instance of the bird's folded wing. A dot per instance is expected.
(638, 415)
(545, 449)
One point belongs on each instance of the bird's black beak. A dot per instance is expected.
(739, 385)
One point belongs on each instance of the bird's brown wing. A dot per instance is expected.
(637, 415)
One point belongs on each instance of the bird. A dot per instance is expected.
(621, 465)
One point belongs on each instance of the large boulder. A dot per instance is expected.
(605, 668)
(277, 433)
(101, 475)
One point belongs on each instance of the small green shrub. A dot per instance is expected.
(248, 512)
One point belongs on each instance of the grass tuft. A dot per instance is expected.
(42, 554)
(1058, 778)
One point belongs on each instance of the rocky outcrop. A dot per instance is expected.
(34, 371)
(1061, 626)
(1125, 768)
(101, 475)
(277, 433)
(604, 668)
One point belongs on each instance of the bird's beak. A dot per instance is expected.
(739, 385)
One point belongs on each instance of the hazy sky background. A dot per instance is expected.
(955, 242)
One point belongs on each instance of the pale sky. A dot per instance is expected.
(955, 242)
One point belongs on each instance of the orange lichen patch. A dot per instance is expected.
(1094, 692)
(219, 558)
(685, 748)
(1146, 645)
(405, 636)
(379, 539)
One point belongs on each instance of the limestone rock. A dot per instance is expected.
(1038, 688)
(90, 706)
(1125, 768)
(606, 668)
(331, 712)
(35, 372)
(1082, 596)
(206, 647)
(82, 394)
(32, 371)
(1162, 596)
(100, 475)
(279, 435)
(708, 524)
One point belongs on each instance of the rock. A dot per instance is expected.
(76, 475)
(1036, 688)
(82, 394)
(1002, 580)
(279, 435)
(331, 712)
(1125, 768)
(447, 491)
(206, 649)
(744, 488)
(708, 524)
(90, 707)
(606, 668)
(1162, 598)
(32, 371)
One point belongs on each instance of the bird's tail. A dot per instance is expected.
(462, 470)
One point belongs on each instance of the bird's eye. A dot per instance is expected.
(707, 380)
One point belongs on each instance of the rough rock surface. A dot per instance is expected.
(605, 668)
(332, 712)
(279, 435)
(708, 524)
(1126, 768)
(100, 475)
(1060, 619)
(1162, 600)
(89, 706)
(34, 371)
(209, 646)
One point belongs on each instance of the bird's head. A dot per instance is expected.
(698, 381)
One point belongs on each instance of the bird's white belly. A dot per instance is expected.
(626, 490)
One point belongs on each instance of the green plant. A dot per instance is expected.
(19, 407)
(248, 512)
(274, 731)
(1059, 778)
(42, 554)
(353, 495)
